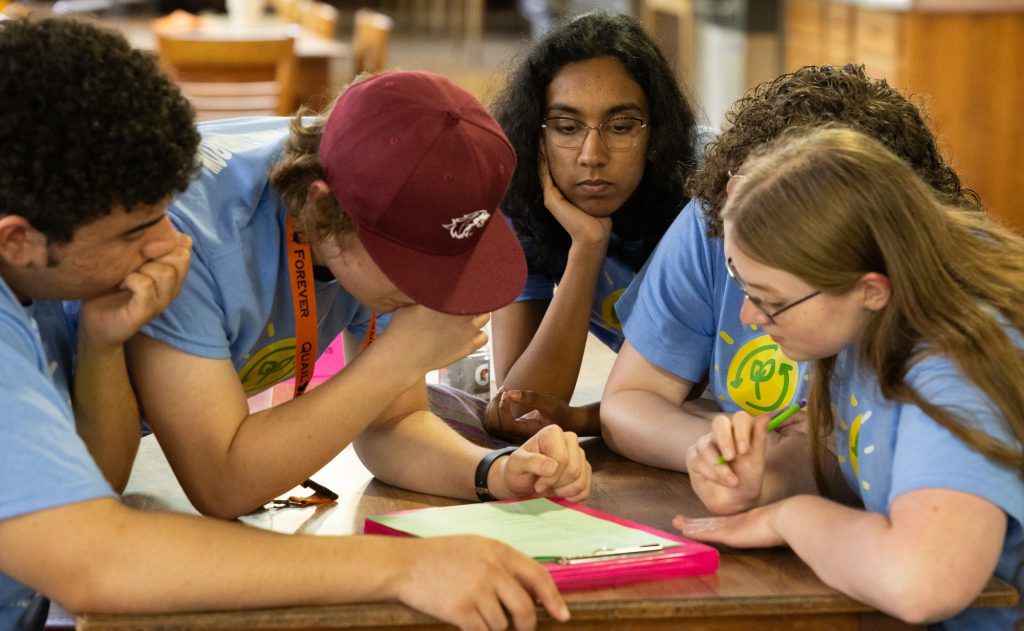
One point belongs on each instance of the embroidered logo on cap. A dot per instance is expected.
(464, 226)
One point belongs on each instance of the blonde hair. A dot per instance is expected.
(829, 205)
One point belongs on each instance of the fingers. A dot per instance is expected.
(542, 587)
(573, 475)
(490, 610)
(705, 460)
(550, 463)
(552, 407)
(578, 489)
(167, 272)
(732, 434)
(701, 529)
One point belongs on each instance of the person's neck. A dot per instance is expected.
(11, 281)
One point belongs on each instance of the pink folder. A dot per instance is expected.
(688, 559)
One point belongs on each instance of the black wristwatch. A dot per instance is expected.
(480, 479)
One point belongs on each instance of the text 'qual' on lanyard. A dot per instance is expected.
(300, 274)
(300, 265)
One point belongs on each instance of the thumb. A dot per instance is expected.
(536, 464)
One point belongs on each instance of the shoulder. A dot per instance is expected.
(239, 142)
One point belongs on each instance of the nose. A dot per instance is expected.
(592, 151)
(751, 315)
(161, 238)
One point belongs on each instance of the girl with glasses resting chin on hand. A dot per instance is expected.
(604, 141)
(915, 330)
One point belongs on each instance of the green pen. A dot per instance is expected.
(778, 419)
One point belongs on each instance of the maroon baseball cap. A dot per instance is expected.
(420, 167)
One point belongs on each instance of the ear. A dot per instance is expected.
(875, 290)
(316, 189)
(20, 243)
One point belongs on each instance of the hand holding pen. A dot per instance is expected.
(727, 465)
(776, 421)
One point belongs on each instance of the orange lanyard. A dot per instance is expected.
(371, 332)
(300, 273)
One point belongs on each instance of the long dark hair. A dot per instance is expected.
(521, 106)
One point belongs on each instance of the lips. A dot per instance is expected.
(594, 186)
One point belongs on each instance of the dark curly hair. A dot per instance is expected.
(815, 95)
(87, 124)
(520, 109)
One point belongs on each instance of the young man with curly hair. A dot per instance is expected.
(681, 314)
(96, 140)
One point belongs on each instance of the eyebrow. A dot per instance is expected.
(611, 111)
(767, 290)
(143, 226)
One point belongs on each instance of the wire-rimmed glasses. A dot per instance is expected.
(618, 134)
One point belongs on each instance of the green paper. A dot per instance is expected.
(539, 527)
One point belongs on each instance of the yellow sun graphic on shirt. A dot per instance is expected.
(856, 452)
(269, 365)
(608, 315)
(760, 378)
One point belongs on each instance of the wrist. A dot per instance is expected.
(488, 487)
(592, 245)
(781, 512)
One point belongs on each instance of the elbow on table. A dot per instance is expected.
(221, 502)
(918, 597)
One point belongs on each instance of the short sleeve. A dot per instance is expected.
(668, 312)
(930, 456)
(43, 462)
(194, 322)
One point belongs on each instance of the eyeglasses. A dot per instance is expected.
(771, 315)
(618, 134)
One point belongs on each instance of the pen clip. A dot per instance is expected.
(602, 554)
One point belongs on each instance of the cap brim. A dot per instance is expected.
(485, 278)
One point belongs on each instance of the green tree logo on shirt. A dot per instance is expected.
(761, 378)
(268, 366)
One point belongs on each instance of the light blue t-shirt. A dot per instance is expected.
(887, 449)
(236, 301)
(43, 462)
(614, 278)
(682, 314)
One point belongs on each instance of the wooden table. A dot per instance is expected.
(762, 589)
(324, 64)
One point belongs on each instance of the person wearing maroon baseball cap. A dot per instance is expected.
(311, 227)
(83, 219)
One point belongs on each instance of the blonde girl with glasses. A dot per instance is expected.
(604, 141)
(918, 353)
(681, 314)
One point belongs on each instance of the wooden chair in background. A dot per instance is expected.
(371, 40)
(320, 18)
(232, 77)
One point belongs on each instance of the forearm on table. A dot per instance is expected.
(419, 452)
(551, 361)
(906, 572)
(118, 560)
(106, 412)
(230, 461)
(645, 427)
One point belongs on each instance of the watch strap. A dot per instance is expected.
(480, 478)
